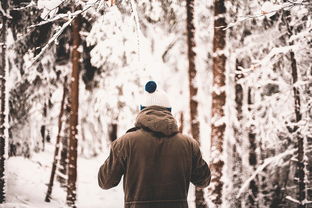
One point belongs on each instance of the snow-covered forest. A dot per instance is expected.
(239, 75)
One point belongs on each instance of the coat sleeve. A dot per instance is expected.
(201, 174)
(113, 168)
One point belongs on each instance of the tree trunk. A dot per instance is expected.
(199, 194)
(300, 140)
(57, 144)
(43, 127)
(181, 127)
(300, 171)
(236, 158)
(252, 157)
(72, 158)
(218, 101)
(4, 5)
(63, 168)
(112, 131)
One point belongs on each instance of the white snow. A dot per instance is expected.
(28, 178)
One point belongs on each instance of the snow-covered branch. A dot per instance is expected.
(268, 9)
(71, 16)
(54, 38)
(4, 13)
(293, 200)
(58, 17)
(31, 4)
(268, 161)
(275, 51)
(304, 202)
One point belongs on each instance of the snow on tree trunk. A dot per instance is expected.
(74, 93)
(218, 103)
(3, 138)
(300, 174)
(300, 169)
(57, 144)
(235, 158)
(63, 167)
(199, 193)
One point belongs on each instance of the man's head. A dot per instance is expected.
(154, 96)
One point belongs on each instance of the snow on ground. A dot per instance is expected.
(27, 184)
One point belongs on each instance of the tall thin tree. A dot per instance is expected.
(300, 172)
(3, 138)
(199, 194)
(218, 101)
(57, 144)
(63, 165)
(235, 148)
(252, 156)
(74, 93)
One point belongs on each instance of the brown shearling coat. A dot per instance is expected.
(157, 162)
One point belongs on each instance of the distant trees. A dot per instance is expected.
(268, 70)
(27, 85)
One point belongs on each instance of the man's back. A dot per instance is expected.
(157, 162)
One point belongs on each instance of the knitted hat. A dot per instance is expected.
(154, 96)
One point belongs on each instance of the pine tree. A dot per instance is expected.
(199, 193)
(74, 93)
(218, 102)
(4, 5)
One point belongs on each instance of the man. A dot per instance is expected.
(158, 162)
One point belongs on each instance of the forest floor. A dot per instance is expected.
(27, 181)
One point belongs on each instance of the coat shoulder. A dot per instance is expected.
(188, 139)
(131, 133)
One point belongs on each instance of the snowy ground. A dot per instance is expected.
(27, 184)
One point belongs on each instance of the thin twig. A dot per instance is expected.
(31, 4)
